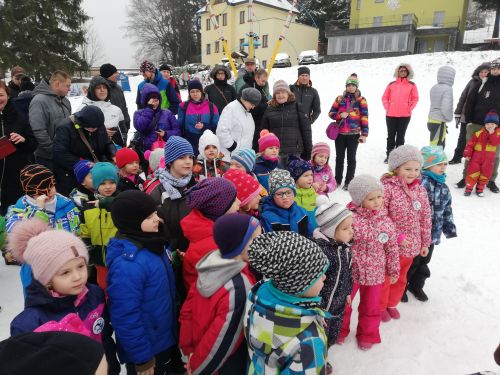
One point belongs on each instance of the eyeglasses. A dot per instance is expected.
(284, 194)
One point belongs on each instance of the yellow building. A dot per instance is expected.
(398, 27)
(268, 19)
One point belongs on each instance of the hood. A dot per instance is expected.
(44, 88)
(119, 247)
(214, 271)
(197, 227)
(309, 84)
(95, 81)
(268, 205)
(485, 65)
(147, 90)
(446, 75)
(220, 67)
(38, 296)
(407, 66)
(208, 138)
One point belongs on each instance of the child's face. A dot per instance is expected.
(254, 203)
(271, 152)
(320, 159)
(107, 188)
(344, 231)
(234, 207)
(131, 168)
(87, 182)
(315, 289)
(305, 181)
(439, 168)
(151, 223)
(238, 166)
(409, 171)
(284, 198)
(71, 278)
(257, 233)
(373, 201)
(490, 126)
(195, 95)
(210, 152)
(182, 166)
(50, 194)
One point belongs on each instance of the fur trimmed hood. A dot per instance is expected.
(407, 66)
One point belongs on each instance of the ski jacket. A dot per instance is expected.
(263, 167)
(307, 99)
(357, 120)
(460, 109)
(295, 219)
(125, 183)
(482, 147)
(481, 102)
(400, 98)
(169, 98)
(306, 198)
(441, 95)
(324, 176)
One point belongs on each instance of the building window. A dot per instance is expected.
(407, 19)
(208, 49)
(265, 41)
(217, 19)
(369, 43)
(377, 21)
(224, 19)
(242, 47)
(379, 1)
(217, 47)
(438, 19)
(242, 16)
(208, 24)
(439, 45)
(358, 4)
(264, 64)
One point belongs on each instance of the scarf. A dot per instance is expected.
(154, 242)
(441, 178)
(172, 184)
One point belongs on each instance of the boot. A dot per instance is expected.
(419, 294)
(385, 316)
(460, 184)
(404, 298)
(493, 187)
(455, 161)
(365, 345)
(393, 312)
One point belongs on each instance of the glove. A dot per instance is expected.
(457, 121)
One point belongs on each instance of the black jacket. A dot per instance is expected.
(221, 94)
(308, 99)
(480, 103)
(117, 98)
(259, 110)
(13, 89)
(459, 110)
(291, 126)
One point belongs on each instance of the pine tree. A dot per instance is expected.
(491, 5)
(42, 35)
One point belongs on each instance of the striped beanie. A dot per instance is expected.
(268, 139)
(246, 157)
(320, 148)
(329, 215)
(491, 117)
(81, 169)
(176, 148)
(36, 180)
(147, 66)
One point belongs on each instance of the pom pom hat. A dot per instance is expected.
(267, 140)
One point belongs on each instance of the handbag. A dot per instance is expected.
(6, 147)
(332, 131)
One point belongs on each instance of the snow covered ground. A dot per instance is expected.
(458, 329)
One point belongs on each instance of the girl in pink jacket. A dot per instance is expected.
(408, 206)
(324, 181)
(375, 255)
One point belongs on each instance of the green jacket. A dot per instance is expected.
(97, 228)
(306, 198)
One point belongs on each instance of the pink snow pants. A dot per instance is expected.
(391, 294)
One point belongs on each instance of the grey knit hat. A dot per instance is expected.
(330, 214)
(281, 85)
(362, 185)
(291, 261)
(279, 179)
(251, 95)
(403, 154)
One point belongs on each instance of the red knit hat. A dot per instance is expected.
(125, 156)
(247, 187)
(267, 139)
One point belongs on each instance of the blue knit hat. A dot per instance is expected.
(81, 169)
(177, 147)
(491, 117)
(103, 171)
(246, 157)
(433, 155)
(297, 167)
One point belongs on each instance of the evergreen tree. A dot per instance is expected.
(42, 35)
(491, 5)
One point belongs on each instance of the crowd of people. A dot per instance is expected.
(210, 242)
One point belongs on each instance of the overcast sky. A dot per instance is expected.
(109, 17)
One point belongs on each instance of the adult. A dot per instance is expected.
(80, 136)
(166, 72)
(169, 99)
(236, 126)
(292, 127)
(307, 96)
(399, 99)
(480, 74)
(47, 108)
(220, 92)
(17, 130)
(23, 100)
(250, 67)
(99, 94)
(350, 110)
(476, 108)
(116, 96)
(16, 74)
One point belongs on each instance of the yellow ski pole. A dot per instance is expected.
(228, 54)
(251, 52)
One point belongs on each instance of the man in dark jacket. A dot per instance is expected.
(220, 92)
(307, 97)
(16, 74)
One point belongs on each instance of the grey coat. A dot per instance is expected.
(442, 95)
(46, 110)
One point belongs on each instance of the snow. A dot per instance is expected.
(457, 330)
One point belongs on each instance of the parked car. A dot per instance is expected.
(310, 57)
(282, 61)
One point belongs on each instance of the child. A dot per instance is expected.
(141, 286)
(97, 225)
(127, 160)
(433, 181)
(244, 160)
(208, 200)
(59, 297)
(84, 192)
(211, 319)
(283, 319)
(280, 212)
(407, 205)
(248, 191)
(209, 163)
(324, 181)
(480, 153)
(441, 110)
(268, 160)
(301, 172)
(156, 160)
(375, 255)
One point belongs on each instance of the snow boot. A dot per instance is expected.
(455, 161)
(460, 184)
(480, 194)
(393, 312)
(493, 187)
(467, 193)
(365, 345)
(329, 369)
(385, 316)
(419, 294)
(345, 187)
(386, 160)
(340, 340)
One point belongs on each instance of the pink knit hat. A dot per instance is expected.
(267, 139)
(45, 249)
(320, 148)
(247, 187)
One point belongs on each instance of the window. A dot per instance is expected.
(242, 16)
(264, 64)
(439, 45)
(242, 47)
(217, 47)
(208, 24)
(224, 19)
(438, 19)
(208, 49)
(377, 21)
(407, 19)
(217, 19)
(358, 4)
(379, 1)
(265, 41)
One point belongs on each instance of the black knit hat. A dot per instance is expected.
(107, 70)
(50, 353)
(90, 116)
(291, 261)
(232, 232)
(129, 209)
(165, 67)
(303, 70)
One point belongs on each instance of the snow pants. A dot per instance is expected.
(396, 130)
(461, 143)
(479, 171)
(471, 129)
(392, 293)
(368, 314)
(438, 132)
(419, 270)
(345, 143)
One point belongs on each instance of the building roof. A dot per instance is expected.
(279, 4)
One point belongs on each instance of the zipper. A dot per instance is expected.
(330, 300)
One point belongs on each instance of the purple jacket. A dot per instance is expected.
(325, 177)
(147, 121)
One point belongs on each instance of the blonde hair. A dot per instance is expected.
(60, 76)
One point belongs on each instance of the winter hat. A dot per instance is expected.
(130, 208)
(212, 197)
(247, 187)
(89, 116)
(291, 261)
(268, 139)
(103, 171)
(232, 232)
(297, 167)
(281, 85)
(195, 84)
(403, 154)
(320, 148)
(45, 249)
(147, 66)
(107, 70)
(155, 158)
(125, 156)
(81, 169)
(352, 80)
(176, 148)
(433, 155)
(165, 67)
(55, 352)
(36, 180)
(491, 117)
(362, 185)
(154, 94)
(329, 215)
(303, 70)
(251, 95)
(495, 63)
(279, 179)
(208, 139)
(246, 157)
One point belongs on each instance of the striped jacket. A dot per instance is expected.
(357, 121)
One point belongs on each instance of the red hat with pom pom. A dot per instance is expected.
(267, 139)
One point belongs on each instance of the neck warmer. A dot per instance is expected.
(172, 184)
(441, 178)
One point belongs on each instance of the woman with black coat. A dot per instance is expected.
(220, 92)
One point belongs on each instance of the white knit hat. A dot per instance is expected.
(329, 215)
(362, 185)
(208, 139)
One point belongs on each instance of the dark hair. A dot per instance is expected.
(5, 87)
(261, 72)
(26, 84)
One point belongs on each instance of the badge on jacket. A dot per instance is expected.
(417, 205)
(383, 237)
